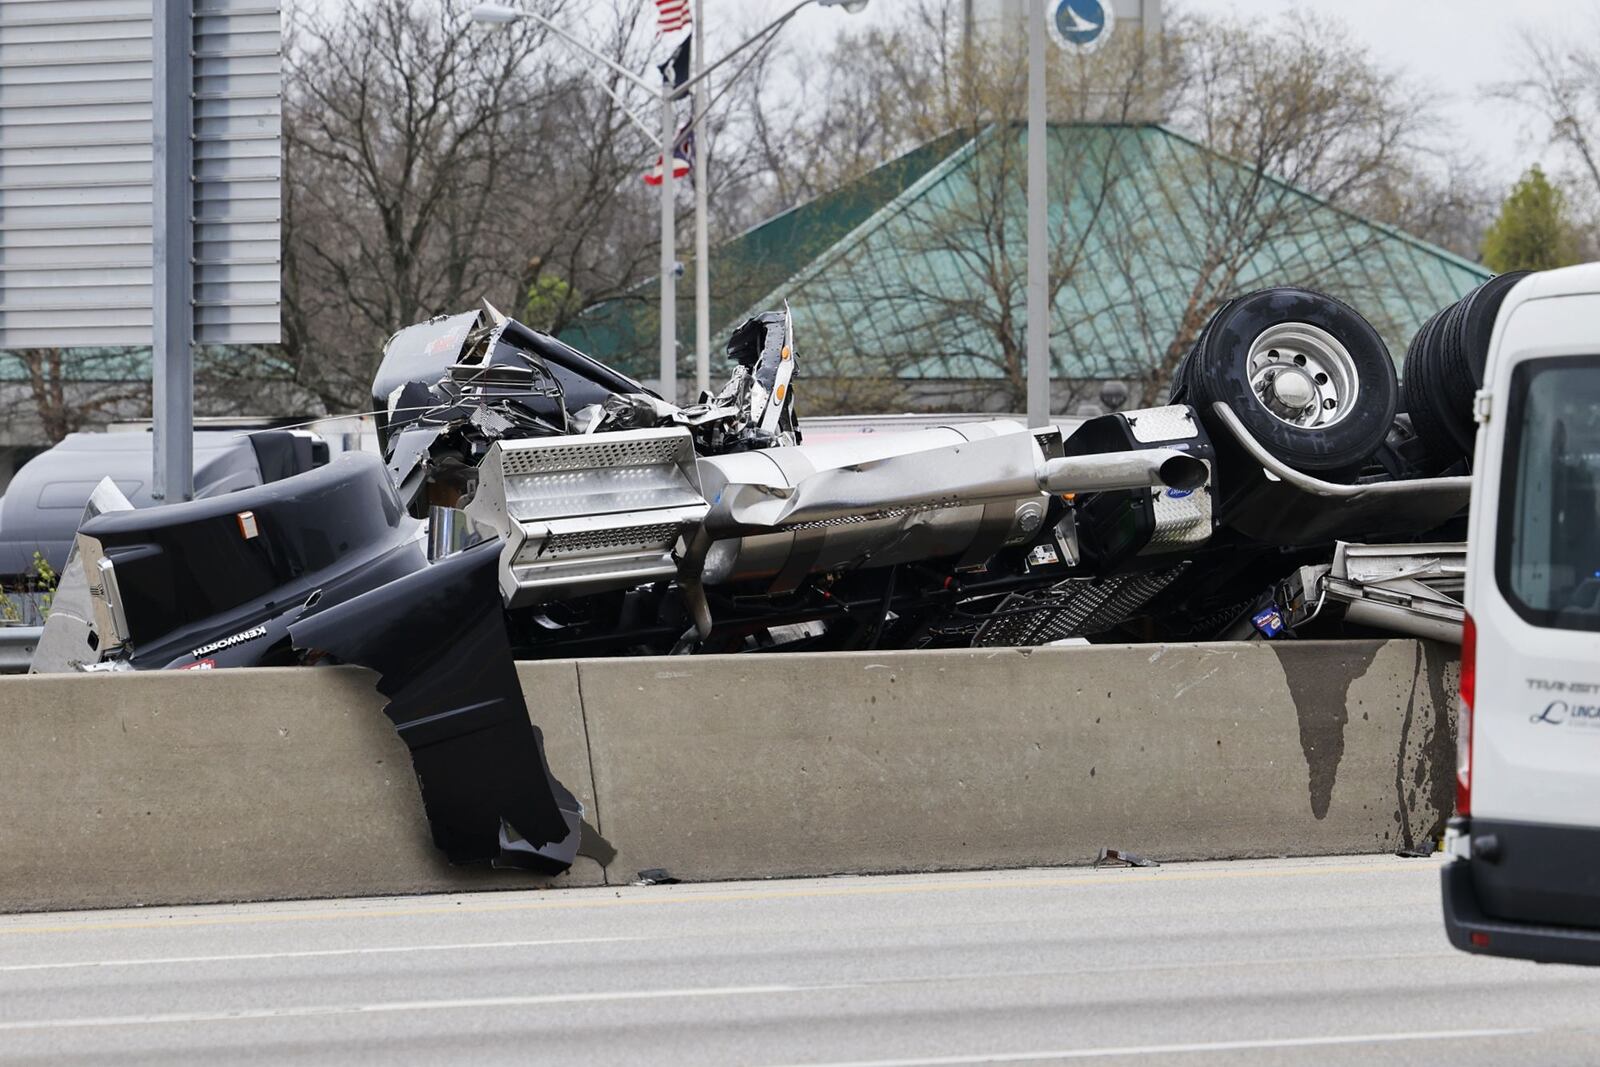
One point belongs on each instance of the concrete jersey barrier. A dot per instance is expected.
(814, 764)
(265, 784)
(180, 787)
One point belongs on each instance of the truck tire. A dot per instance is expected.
(1444, 369)
(1308, 376)
(1480, 308)
(1425, 396)
(1452, 380)
(1180, 391)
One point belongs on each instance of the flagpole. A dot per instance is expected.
(500, 14)
(702, 240)
(669, 256)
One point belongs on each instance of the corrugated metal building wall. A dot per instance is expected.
(75, 172)
(75, 144)
(238, 119)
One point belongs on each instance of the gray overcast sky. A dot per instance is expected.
(1453, 47)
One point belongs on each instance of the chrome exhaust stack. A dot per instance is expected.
(1145, 469)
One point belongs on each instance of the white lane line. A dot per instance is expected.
(470, 946)
(312, 954)
(329, 1010)
(1108, 1052)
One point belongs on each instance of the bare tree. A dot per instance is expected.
(55, 391)
(1270, 134)
(429, 165)
(1292, 124)
(951, 261)
(1560, 81)
(1444, 200)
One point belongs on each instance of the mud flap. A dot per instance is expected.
(437, 639)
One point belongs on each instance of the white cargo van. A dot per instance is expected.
(1523, 874)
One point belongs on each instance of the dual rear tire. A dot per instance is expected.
(1308, 377)
(1444, 369)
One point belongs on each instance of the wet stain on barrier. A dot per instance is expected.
(1426, 757)
(1404, 803)
(1440, 748)
(1424, 774)
(1319, 683)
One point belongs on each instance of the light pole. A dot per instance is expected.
(1081, 27)
(702, 225)
(500, 14)
(1038, 223)
(669, 250)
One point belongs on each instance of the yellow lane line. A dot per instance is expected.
(1084, 879)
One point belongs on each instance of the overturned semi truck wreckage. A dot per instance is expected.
(532, 502)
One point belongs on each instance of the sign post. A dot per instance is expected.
(1078, 26)
(1038, 224)
(172, 242)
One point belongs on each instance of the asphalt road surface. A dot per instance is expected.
(1301, 962)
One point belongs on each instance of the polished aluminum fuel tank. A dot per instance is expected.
(962, 491)
(586, 513)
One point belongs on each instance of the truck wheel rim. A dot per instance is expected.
(1303, 375)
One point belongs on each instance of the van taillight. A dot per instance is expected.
(1469, 679)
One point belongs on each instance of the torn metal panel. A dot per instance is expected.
(420, 353)
(782, 514)
(970, 471)
(437, 639)
(68, 641)
(1411, 589)
(757, 404)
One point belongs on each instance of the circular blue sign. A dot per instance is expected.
(1081, 25)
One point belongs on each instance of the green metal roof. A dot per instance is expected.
(915, 270)
(743, 270)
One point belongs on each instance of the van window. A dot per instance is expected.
(1547, 560)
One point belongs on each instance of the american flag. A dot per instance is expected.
(674, 15)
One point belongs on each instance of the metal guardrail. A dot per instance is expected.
(16, 647)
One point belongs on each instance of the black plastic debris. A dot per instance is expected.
(437, 638)
(655, 876)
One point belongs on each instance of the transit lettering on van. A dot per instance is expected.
(1563, 687)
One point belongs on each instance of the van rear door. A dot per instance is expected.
(1534, 593)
